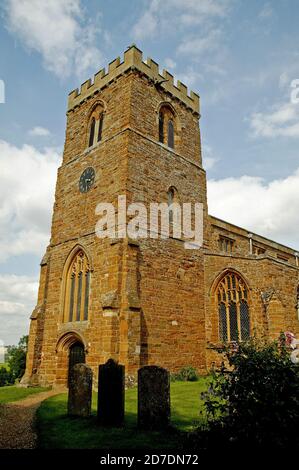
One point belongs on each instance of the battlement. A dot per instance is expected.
(133, 60)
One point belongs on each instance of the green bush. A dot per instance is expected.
(6, 377)
(186, 374)
(255, 400)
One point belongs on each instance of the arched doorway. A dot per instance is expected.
(76, 356)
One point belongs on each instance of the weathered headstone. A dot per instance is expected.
(80, 391)
(111, 396)
(153, 398)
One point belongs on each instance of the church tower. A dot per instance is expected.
(130, 132)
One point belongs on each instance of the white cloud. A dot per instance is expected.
(199, 45)
(59, 31)
(209, 159)
(170, 63)
(162, 14)
(269, 209)
(189, 77)
(39, 132)
(18, 296)
(27, 182)
(282, 120)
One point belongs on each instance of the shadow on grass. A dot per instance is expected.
(57, 430)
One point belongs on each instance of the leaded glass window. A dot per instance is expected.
(233, 309)
(77, 289)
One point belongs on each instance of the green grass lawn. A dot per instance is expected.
(12, 393)
(57, 430)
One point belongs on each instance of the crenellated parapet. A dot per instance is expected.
(133, 60)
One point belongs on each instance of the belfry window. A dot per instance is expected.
(167, 126)
(233, 309)
(95, 127)
(77, 283)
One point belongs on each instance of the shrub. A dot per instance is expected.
(256, 399)
(186, 374)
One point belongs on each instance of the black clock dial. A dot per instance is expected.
(86, 180)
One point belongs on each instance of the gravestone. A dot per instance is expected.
(153, 398)
(111, 396)
(80, 391)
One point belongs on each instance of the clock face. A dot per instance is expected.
(86, 179)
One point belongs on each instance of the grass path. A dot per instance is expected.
(13, 393)
(17, 418)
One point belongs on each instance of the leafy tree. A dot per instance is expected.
(6, 377)
(17, 358)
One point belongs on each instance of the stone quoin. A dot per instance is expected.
(133, 131)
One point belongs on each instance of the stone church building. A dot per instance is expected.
(132, 131)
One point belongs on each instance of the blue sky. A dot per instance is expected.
(240, 56)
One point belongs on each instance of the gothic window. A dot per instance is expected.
(170, 134)
(167, 126)
(77, 289)
(96, 120)
(91, 132)
(233, 309)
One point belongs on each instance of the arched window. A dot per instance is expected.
(233, 309)
(170, 136)
(167, 125)
(95, 127)
(77, 283)
(91, 132)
